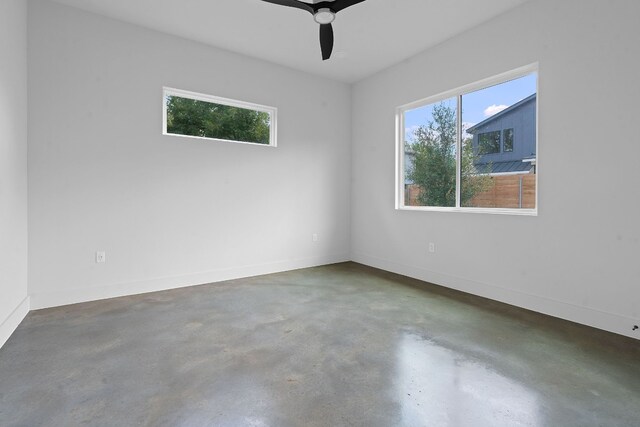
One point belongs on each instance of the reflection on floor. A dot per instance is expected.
(340, 345)
(444, 387)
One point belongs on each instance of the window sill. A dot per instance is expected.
(492, 211)
(205, 138)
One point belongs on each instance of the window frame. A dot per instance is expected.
(458, 93)
(272, 111)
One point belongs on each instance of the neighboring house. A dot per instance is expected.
(506, 141)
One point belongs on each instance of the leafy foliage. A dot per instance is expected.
(434, 162)
(199, 118)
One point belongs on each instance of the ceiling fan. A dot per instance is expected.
(324, 12)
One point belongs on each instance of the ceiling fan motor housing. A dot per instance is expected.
(324, 16)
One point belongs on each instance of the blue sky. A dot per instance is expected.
(477, 106)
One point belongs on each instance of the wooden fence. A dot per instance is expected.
(508, 191)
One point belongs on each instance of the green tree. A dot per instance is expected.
(199, 118)
(434, 162)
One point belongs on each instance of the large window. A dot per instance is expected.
(471, 149)
(204, 116)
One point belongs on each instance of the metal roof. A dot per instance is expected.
(504, 167)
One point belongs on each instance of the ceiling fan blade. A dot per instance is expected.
(338, 5)
(326, 40)
(293, 3)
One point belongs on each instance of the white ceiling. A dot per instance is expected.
(369, 36)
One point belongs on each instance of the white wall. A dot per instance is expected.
(171, 211)
(578, 259)
(14, 303)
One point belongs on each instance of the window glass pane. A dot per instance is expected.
(430, 154)
(492, 178)
(192, 117)
(508, 140)
(489, 142)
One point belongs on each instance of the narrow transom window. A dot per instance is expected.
(508, 140)
(198, 115)
(471, 149)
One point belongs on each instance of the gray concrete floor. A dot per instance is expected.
(340, 345)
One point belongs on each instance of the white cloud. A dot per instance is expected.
(409, 133)
(494, 109)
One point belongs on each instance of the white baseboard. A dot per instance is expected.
(584, 315)
(72, 296)
(10, 324)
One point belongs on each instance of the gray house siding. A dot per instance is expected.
(521, 117)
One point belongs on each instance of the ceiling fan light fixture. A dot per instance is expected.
(324, 16)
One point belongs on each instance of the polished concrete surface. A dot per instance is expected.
(340, 345)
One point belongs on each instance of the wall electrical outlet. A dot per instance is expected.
(314, 237)
(101, 257)
(432, 247)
